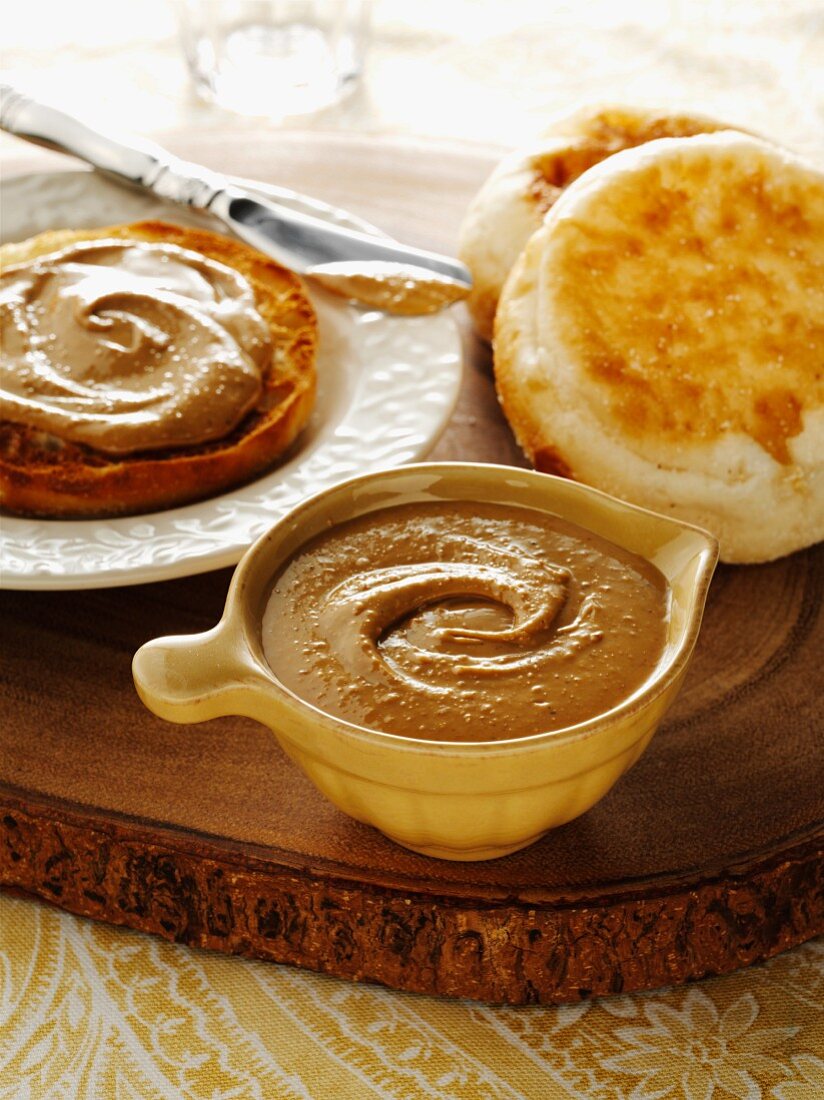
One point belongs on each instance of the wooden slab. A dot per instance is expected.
(707, 856)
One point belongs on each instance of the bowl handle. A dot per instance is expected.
(194, 677)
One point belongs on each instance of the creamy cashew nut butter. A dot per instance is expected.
(464, 622)
(130, 345)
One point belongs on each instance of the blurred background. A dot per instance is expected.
(463, 70)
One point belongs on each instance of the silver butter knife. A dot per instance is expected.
(375, 271)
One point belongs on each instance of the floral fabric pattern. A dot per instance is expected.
(89, 1012)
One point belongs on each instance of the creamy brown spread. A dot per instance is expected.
(129, 345)
(464, 622)
(396, 288)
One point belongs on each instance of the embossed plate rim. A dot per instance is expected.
(402, 377)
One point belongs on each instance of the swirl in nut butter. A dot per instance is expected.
(130, 345)
(464, 622)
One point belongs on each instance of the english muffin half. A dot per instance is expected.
(146, 366)
(662, 338)
(512, 203)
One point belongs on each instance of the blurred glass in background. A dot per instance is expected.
(458, 70)
(277, 58)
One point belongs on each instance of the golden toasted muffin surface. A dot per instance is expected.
(597, 133)
(515, 198)
(696, 299)
(662, 338)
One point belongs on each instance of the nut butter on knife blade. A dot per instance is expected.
(374, 271)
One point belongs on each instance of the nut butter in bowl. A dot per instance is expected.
(463, 656)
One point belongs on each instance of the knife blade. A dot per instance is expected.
(374, 271)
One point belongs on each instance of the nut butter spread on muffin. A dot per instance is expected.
(144, 366)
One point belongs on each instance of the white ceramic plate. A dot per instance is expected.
(386, 388)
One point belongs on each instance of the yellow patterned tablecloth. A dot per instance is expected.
(89, 1012)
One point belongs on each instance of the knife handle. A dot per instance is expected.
(140, 163)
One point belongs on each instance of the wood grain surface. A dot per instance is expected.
(706, 856)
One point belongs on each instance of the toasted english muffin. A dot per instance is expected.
(662, 338)
(44, 474)
(512, 203)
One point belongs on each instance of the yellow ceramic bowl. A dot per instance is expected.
(447, 799)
